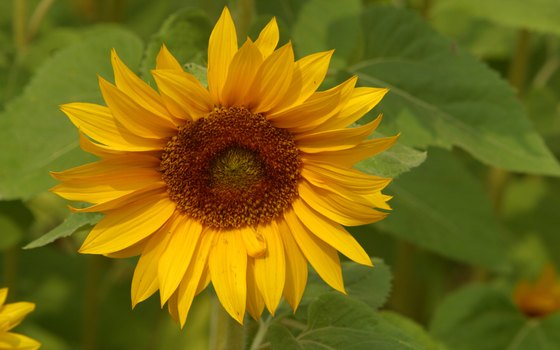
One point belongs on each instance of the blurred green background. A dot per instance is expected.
(475, 92)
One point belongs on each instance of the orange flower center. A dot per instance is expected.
(232, 169)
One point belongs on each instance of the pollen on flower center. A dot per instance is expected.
(231, 169)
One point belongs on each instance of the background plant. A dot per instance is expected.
(475, 92)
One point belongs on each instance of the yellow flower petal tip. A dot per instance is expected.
(539, 298)
(241, 184)
(11, 315)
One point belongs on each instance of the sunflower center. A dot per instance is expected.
(231, 169)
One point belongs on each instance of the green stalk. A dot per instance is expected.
(225, 332)
(19, 26)
(245, 9)
(10, 269)
(498, 178)
(91, 306)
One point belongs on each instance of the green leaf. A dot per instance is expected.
(537, 15)
(70, 225)
(339, 322)
(38, 135)
(440, 207)
(185, 34)
(371, 285)
(391, 163)
(531, 209)
(15, 221)
(455, 99)
(330, 30)
(485, 318)
(414, 329)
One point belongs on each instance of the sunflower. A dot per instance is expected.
(11, 315)
(240, 184)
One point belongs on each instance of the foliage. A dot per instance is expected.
(474, 92)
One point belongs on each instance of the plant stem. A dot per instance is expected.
(261, 334)
(225, 332)
(245, 11)
(498, 178)
(37, 18)
(407, 293)
(91, 314)
(10, 269)
(19, 26)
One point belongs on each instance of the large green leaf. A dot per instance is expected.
(484, 318)
(15, 221)
(440, 207)
(371, 285)
(70, 225)
(454, 99)
(38, 136)
(338, 322)
(185, 34)
(537, 15)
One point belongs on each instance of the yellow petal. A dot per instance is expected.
(183, 94)
(177, 257)
(350, 178)
(145, 279)
(296, 267)
(134, 117)
(98, 123)
(272, 80)
(122, 228)
(137, 89)
(242, 70)
(351, 156)
(173, 306)
(14, 341)
(334, 140)
(318, 108)
(106, 168)
(270, 269)
(11, 315)
(196, 277)
(3, 295)
(363, 99)
(255, 302)
(320, 255)
(366, 196)
(143, 194)
(268, 38)
(331, 233)
(309, 73)
(337, 208)
(254, 241)
(228, 267)
(103, 189)
(165, 60)
(134, 250)
(221, 49)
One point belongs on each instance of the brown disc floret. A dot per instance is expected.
(231, 169)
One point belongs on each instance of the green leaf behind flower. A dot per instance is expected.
(35, 136)
(440, 207)
(485, 318)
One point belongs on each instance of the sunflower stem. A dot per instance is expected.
(91, 306)
(19, 27)
(245, 9)
(225, 332)
(10, 268)
(37, 18)
(498, 178)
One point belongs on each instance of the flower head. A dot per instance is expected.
(240, 184)
(11, 315)
(541, 297)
